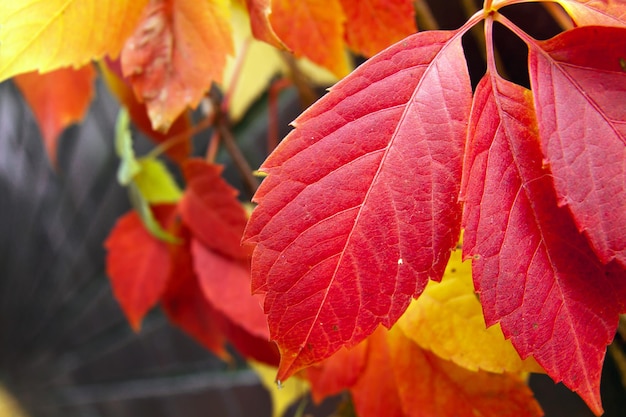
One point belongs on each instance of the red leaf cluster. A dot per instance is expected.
(203, 282)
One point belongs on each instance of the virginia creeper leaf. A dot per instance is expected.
(373, 25)
(112, 74)
(338, 372)
(58, 99)
(210, 208)
(137, 264)
(178, 49)
(226, 284)
(259, 11)
(593, 12)
(46, 35)
(534, 272)
(360, 205)
(313, 29)
(447, 319)
(155, 182)
(185, 303)
(430, 386)
(129, 167)
(586, 147)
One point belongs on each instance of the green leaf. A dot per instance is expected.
(141, 205)
(129, 167)
(155, 182)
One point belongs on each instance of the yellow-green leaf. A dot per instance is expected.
(155, 182)
(285, 395)
(141, 206)
(45, 35)
(448, 320)
(129, 167)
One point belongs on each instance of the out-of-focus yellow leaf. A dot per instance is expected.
(48, 34)
(282, 397)
(447, 319)
(260, 63)
(156, 183)
(129, 167)
(8, 406)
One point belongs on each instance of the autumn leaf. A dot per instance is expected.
(430, 386)
(185, 304)
(282, 397)
(58, 99)
(447, 319)
(209, 207)
(179, 151)
(226, 284)
(138, 265)
(362, 239)
(312, 29)
(605, 13)
(373, 25)
(585, 149)
(155, 182)
(259, 11)
(534, 272)
(45, 35)
(177, 51)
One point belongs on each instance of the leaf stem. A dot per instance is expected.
(424, 15)
(164, 146)
(234, 81)
(559, 15)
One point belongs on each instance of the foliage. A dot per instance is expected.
(363, 204)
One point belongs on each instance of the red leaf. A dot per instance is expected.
(579, 88)
(138, 264)
(373, 25)
(535, 273)
(360, 206)
(211, 210)
(58, 99)
(178, 49)
(589, 12)
(185, 303)
(226, 284)
(259, 11)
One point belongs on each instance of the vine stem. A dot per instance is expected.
(424, 15)
(186, 135)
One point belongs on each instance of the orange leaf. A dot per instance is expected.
(46, 35)
(58, 99)
(373, 25)
(185, 304)
(179, 152)
(138, 264)
(313, 29)
(259, 11)
(211, 210)
(340, 371)
(430, 386)
(176, 52)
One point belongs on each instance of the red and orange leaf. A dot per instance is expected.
(178, 49)
(185, 304)
(58, 99)
(259, 11)
(596, 12)
(225, 282)
(360, 208)
(112, 74)
(373, 25)
(430, 386)
(337, 373)
(313, 29)
(138, 264)
(580, 89)
(210, 208)
(46, 35)
(377, 393)
(535, 273)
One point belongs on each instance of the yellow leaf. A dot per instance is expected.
(260, 63)
(156, 183)
(448, 320)
(286, 395)
(48, 34)
(8, 406)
